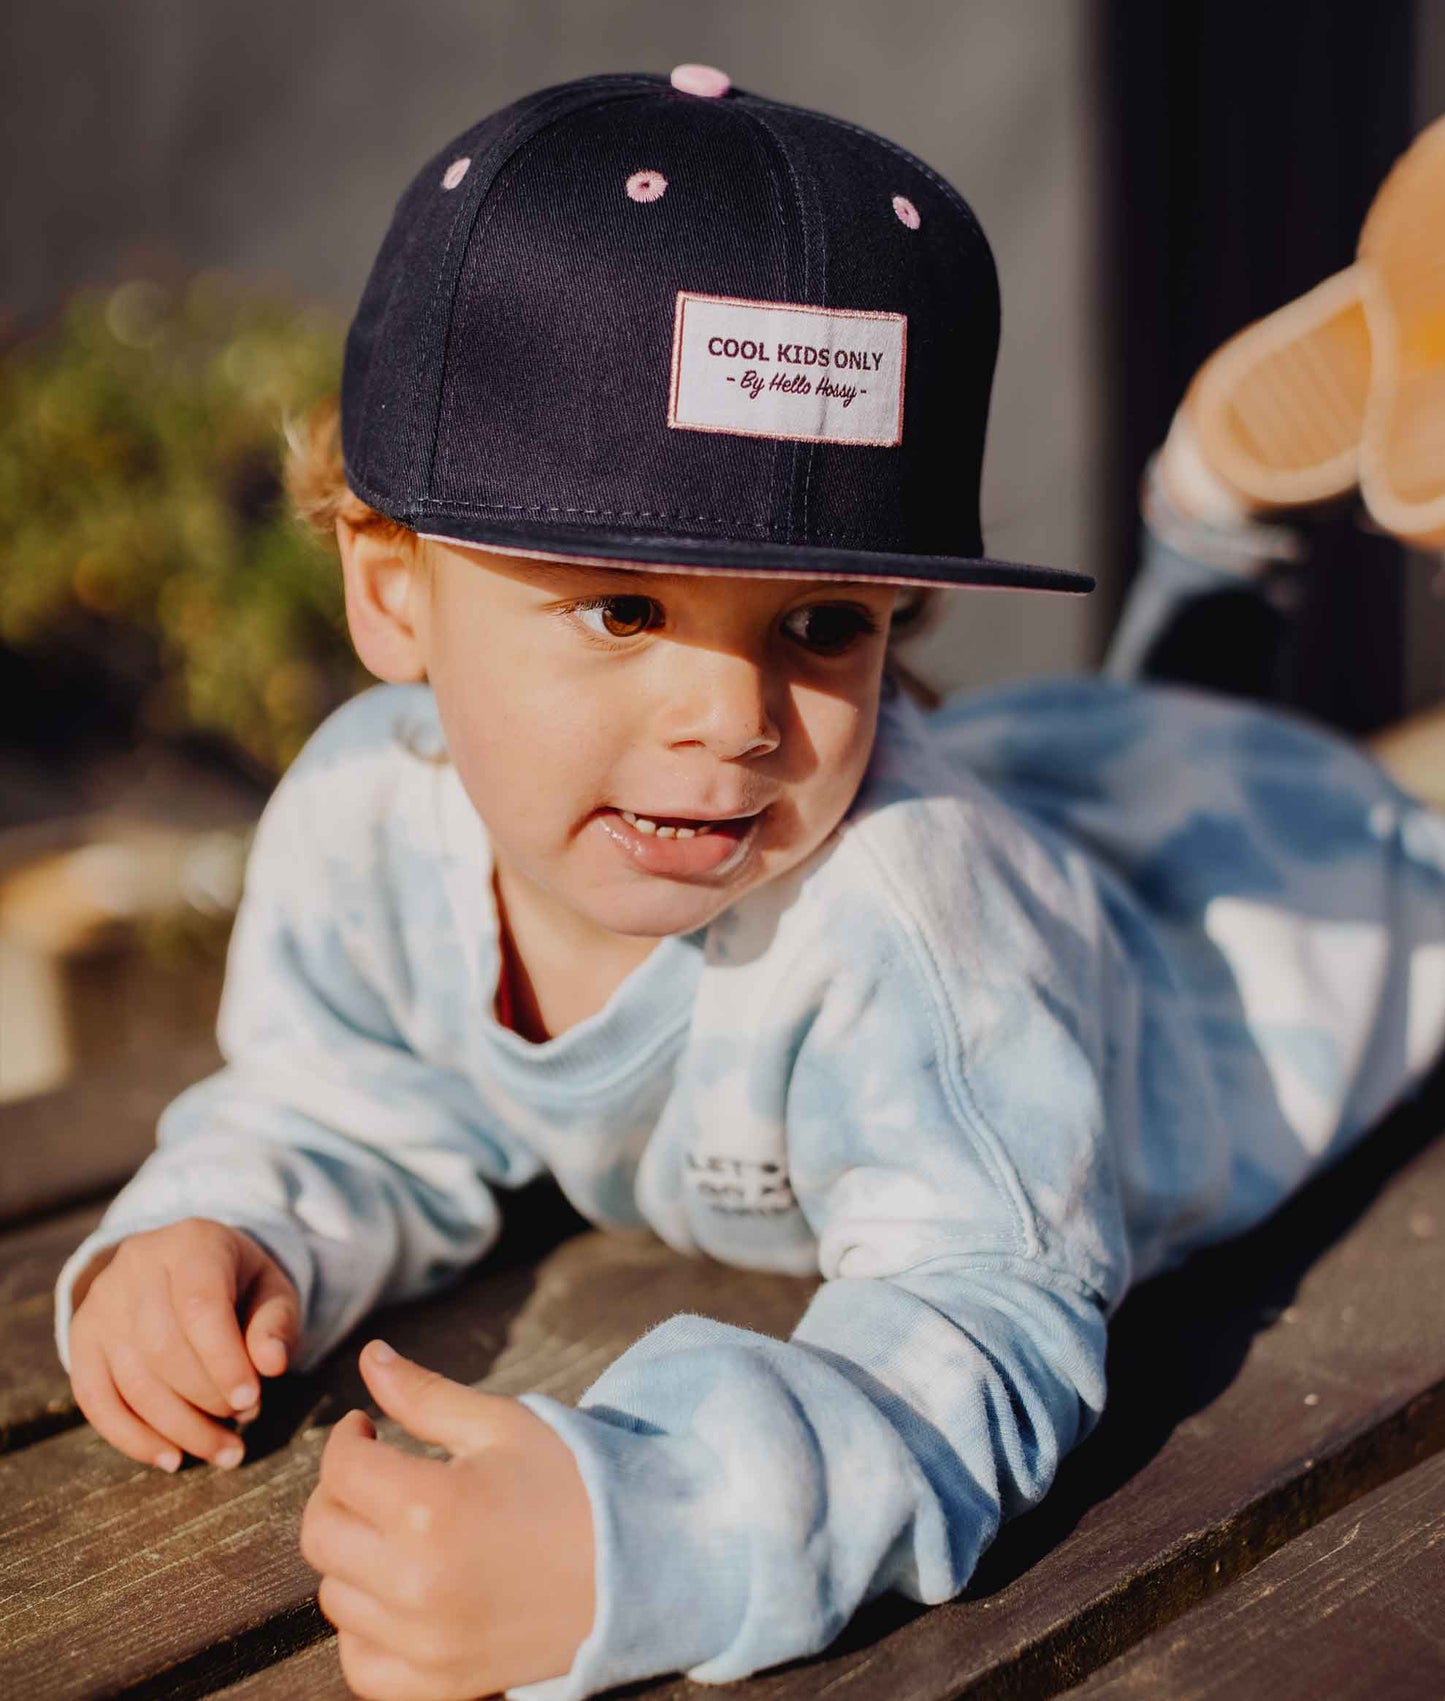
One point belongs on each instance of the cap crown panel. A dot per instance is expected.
(568, 292)
(941, 277)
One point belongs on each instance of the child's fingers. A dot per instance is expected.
(163, 1342)
(350, 1608)
(273, 1321)
(204, 1297)
(335, 1542)
(96, 1395)
(167, 1413)
(371, 1671)
(386, 1487)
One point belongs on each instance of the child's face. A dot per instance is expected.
(689, 695)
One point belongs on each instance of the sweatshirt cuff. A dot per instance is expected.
(671, 1576)
(280, 1238)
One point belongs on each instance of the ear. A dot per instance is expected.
(385, 604)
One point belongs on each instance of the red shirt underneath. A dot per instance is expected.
(506, 1010)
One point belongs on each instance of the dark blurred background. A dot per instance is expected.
(193, 191)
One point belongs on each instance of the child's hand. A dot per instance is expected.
(157, 1352)
(457, 1577)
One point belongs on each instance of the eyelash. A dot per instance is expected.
(867, 624)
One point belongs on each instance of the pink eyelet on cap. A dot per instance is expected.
(705, 80)
(455, 172)
(906, 211)
(646, 185)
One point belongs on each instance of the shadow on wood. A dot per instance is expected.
(1179, 1340)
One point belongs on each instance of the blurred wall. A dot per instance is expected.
(271, 138)
(1243, 145)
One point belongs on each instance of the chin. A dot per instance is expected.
(668, 907)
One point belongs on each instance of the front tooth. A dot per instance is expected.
(667, 832)
(643, 825)
(687, 832)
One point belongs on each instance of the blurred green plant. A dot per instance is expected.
(140, 493)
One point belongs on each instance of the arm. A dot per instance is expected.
(360, 1166)
(945, 1131)
(748, 1495)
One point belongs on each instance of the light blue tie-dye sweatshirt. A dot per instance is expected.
(1090, 974)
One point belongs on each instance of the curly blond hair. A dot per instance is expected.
(316, 483)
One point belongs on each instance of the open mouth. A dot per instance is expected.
(682, 849)
(677, 827)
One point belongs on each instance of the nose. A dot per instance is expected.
(720, 699)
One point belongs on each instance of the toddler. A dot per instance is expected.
(662, 415)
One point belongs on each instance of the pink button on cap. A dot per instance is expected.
(701, 80)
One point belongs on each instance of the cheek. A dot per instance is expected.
(524, 750)
(842, 733)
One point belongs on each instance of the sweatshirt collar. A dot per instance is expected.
(645, 1011)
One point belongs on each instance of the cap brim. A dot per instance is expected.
(763, 559)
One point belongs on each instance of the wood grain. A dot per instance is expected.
(35, 1398)
(115, 1577)
(1273, 1380)
(81, 1142)
(1354, 1609)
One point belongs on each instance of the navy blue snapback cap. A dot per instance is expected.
(662, 321)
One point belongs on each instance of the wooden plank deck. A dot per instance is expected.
(60, 1148)
(1354, 1609)
(1255, 1397)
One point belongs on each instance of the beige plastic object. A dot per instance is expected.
(1402, 272)
(1273, 418)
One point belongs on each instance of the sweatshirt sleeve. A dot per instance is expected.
(362, 1167)
(945, 1140)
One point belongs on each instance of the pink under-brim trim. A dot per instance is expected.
(736, 572)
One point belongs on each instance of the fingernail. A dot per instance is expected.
(382, 1353)
(243, 1395)
(170, 1460)
(229, 1457)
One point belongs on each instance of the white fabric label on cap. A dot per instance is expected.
(778, 369)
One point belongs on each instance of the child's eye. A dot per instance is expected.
(832, 626)
(827, 628)
(636, 607)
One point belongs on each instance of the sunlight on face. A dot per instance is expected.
(691, 694)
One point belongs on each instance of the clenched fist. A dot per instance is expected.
(169, 1334)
